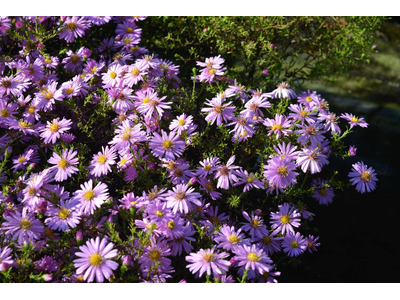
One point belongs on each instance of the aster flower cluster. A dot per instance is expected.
(114, 170)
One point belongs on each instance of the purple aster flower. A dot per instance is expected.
(64, 164)
(22, 227)
(313, 159)
(73, 28)
(213, 216)
(151, 105)
(168, 146)
(255, 227)
(238, 90)
(113, 76)
(279, 172)
(73, 62)
(63, 217)
(181, 123)
(311, 132)
(95, 260)
(7, 111)
(249, 180)
(286, 151)
(213, 66)
(208, 167)
(294, 244)
(47, 264)
(71, 88)
(252, 257)
(363, 177)
(182, 197)
(279, 125)
(102, 161)
(156, 254)
(266, 277)
(120, 98)
(135, 74)
(229, 239)
(209, 188)
(53, 130)
(12, 85)
(312, 243)
(6, 260)
(353, 150)
(253, 106)
(283, 91)
(29, 156)
(301, 113)
(209, 261)
(182, 241)
(309, 99)
(225, 174)
(354, 121)
(218, 110)
(323, 192)
(91, 198)
(331, 122)
(180, 173)
(128, 135)
(285, 219)
(158, 212)
(269, 242)
(243, 125)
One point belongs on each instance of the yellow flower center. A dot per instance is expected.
(63, 163)
(4, 113)
(255, 223)
(207, 167)
(283, 171)
(63, 213)
(181, 122)
(47, 61)
(24, 124)
(93, 70)
(21, 160)
(123, 161)
(71, 26)
(89, 195)
(159, 213)
(155, 255)
(79, 279)
(322, 192)
(285, 219)
(310, 245)
(54, 127)
(171, 224)
(129, 30)
(135, 72)
(308, 99)
(303, 113)
(167, 144)
(294, 244)
(233, 239)
(146, 100)
(69, 91)
(355, 119)
(244, 133)
(74, 58)
(32, 191)
(127, 41)
(113, 75)
(209, 257)
(277, 127)
(249, 179)
(102, 159)
(96, 259)
(212, 71)
(365, 176)
(25, 224)
(253, 257)
(31, 109)
(209, 187)
(266, 240)
(218, 109)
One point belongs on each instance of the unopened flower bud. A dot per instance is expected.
(258, 212)
(127, 260)
(47, 277)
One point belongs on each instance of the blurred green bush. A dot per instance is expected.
(293, 49)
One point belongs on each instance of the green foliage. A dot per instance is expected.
(304, 48)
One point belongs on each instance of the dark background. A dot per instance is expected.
(359, 234)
